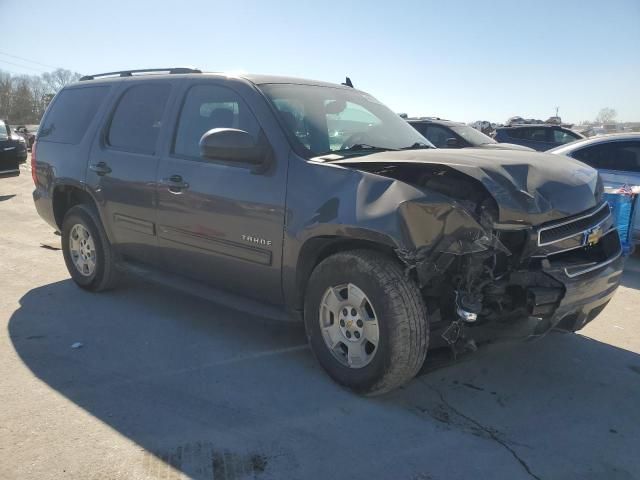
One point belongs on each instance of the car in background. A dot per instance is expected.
(28, 132)
(448, 134)
(541, 137)
(13, 151)
(617, 159)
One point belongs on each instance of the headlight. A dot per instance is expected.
(599, 189)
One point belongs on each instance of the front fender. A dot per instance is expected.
(355, 208)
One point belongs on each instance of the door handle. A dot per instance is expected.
(175, 183)
(101, 168)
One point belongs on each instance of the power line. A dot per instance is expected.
(23, 66)
(27, 60)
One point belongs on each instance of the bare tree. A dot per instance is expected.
(24, 98)
(606, 115)
(59, 78)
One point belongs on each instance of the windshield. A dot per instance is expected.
(3, 131)
(471, 135)
(324, 120)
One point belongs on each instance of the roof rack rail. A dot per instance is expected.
(129, 73)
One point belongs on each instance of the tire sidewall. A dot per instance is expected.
(335, 273)
(81, 215)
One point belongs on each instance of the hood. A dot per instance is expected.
(530, 188)
(506, 146)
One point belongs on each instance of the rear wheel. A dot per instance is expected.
(87, 252)
(365, 321)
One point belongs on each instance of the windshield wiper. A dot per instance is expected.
(358, 147)
(417, 146)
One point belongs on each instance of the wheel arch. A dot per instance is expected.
(316, 249)
(67, 195)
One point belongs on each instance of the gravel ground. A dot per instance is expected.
(167, 385)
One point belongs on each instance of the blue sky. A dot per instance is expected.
(463, 60)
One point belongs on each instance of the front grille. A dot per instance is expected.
(571, 228)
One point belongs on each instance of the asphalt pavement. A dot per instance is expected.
(145, 382)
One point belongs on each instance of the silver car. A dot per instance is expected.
(616, 157)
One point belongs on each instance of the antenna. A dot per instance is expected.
(347, 83)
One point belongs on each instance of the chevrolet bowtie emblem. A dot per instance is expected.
(593, 236)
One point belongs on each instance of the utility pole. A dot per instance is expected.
(557, 108)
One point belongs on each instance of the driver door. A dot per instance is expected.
(219, 222)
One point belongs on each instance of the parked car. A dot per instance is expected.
(539, 137)
(383, 245)
(448, 134)
(13, 151)
(617, 158)
(28, 132)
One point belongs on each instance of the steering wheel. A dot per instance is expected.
(355, 139)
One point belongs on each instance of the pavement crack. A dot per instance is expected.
(490, 432)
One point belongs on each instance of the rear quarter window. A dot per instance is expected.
(71, 114)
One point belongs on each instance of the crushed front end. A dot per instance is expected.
(496, 283)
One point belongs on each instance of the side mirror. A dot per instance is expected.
(452, 143)
(232, 145)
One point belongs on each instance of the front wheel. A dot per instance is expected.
(366, 321)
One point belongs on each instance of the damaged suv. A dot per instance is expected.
(316, 200)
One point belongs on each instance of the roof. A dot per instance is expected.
(160, 73)
(440, 121)
(613, 137)
(534, 125)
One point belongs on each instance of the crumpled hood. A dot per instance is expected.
(529, 187)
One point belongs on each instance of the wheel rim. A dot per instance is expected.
(349, 325)
(82, 249)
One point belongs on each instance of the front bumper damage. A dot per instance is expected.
(484, 283)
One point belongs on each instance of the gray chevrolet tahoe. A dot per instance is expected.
(316, 200)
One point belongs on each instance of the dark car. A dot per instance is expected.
(383, 245)
(448, 134)
(539, 137)
(13, 151)
(28, 132)
(616, 157)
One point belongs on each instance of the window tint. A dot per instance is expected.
(438, 135)
(138, 117)
(529, 133)
(563, 136)
(71, 113)
(4, 131)
(623, 156)
(206, 107)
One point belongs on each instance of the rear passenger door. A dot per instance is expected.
(123, 164)
(618, 163)
(218, 222)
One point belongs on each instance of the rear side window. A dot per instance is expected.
(137, 119)
(71, 114)
(207, 107)
(620, 156)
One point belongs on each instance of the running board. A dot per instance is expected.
(211, 294)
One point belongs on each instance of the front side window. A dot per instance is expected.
(563, 136)
(471, 135)
(206, 107)
(137, 119)
(4, 131)
(438, 135)
(71, 113)
(323, 120)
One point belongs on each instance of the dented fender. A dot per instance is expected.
(350, 205)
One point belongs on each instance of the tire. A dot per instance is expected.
(397, 306)
(104, 274)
